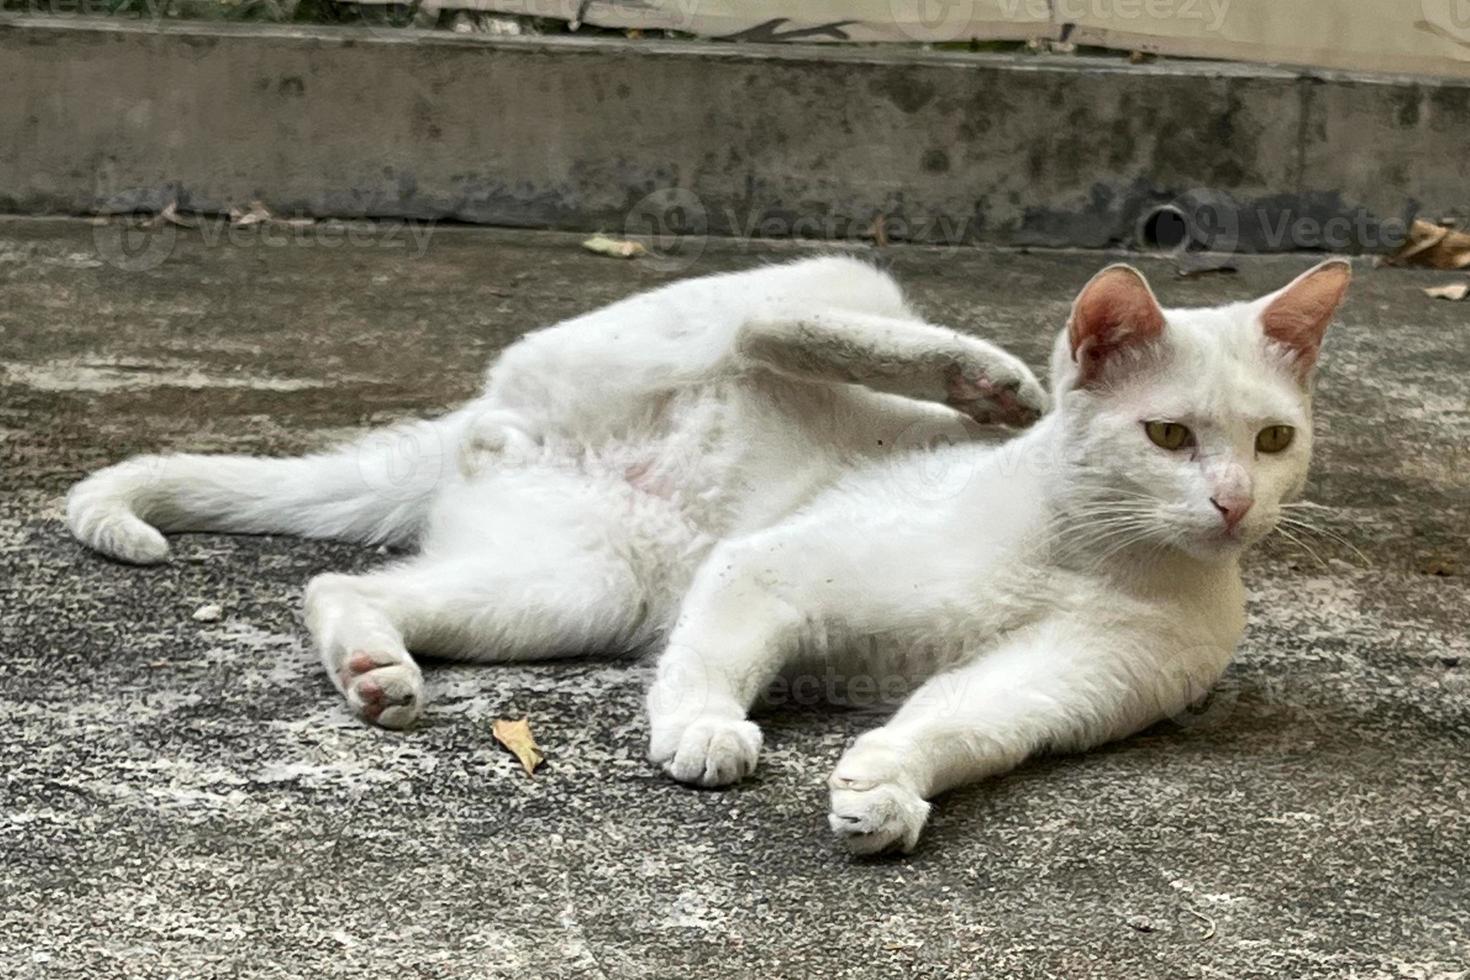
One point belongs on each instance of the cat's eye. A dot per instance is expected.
(1169, 435)
(1274, 438)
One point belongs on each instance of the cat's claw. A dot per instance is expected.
(873, 809)
(1013, 398)
(708, 751)
(383, 689)
(870, 818)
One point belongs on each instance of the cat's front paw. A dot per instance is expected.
(707, 751)
(872, 811)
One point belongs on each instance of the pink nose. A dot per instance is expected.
(1232, 509)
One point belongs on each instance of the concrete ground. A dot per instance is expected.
(186, 799)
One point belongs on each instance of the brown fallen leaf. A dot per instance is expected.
(1439, 566)
(1454, 291)
(1190, 266)
(170, 216)
(1433, 246)
(878, 230)
(256, 214)
(618, 248)
(516, 736)
(259, 214)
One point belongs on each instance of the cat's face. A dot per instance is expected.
(1188, 428)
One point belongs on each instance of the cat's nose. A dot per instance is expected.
(1232, 508)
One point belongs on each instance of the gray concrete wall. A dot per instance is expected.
(654, 136)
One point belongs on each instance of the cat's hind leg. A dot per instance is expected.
(498, 607)
(899, 357)
(517, 567)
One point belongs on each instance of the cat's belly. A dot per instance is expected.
(730, 456)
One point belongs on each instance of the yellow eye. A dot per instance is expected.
(1169, 435)
(1274, 438)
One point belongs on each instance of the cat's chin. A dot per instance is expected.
(1216, 546)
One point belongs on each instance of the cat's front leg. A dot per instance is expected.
(1059, 687)
(733, 634)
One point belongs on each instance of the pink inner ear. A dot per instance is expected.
(1114, 311)
(1299, 316)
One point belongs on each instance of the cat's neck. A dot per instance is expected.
(1149, 569)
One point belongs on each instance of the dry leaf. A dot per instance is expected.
(1440, 566)
(1190, 266)
(259, 214)
(618, 248)
(1454, 291)
(256, 214)
(516, 736)
(878, 230)
(1434, 246)
(170, 216)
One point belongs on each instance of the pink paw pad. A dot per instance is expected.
(361, 663)
(376, 683)
(987, 402)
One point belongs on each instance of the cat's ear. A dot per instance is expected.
(1297, 316)
(1116, 312)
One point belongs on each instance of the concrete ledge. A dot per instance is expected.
(652, 137)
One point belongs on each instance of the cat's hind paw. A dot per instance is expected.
(382, 688)
(707, 751)
(873, 817)
(1002, 391)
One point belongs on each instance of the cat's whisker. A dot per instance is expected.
(1309, 528)
(1113, 538)
(1094, 530)
(1302, 545)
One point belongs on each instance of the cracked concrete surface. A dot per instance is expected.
(187, 799)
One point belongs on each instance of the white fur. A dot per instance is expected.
(740, 468)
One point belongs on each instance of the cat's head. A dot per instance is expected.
(1188, 428)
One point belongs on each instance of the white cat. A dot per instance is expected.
(736, 467)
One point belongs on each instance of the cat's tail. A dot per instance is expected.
(375, 490)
